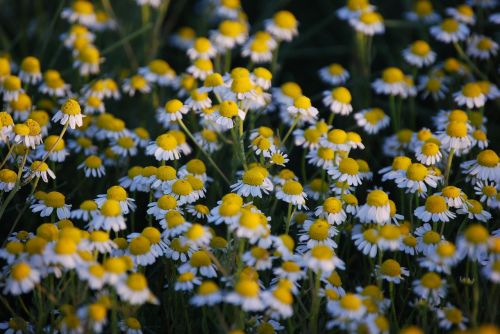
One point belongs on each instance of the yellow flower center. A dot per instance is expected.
(111, 208)
(390, 232)
(159, 66)
(322, 252)
(405, 135)
(401, 163)
(370, 18)
(342, 95)
(284, 19)
(457, 129)
(259, 46)
(416, 172)
(292, 188)
(115, 265)
(262, 72)
(436, 204)
(291, 89)
(392, 75)
(253, 177)
(445, 249)
(137, 282)
(349, 166)
(485, 44)
(173, 106)
(302, 102)
(202, 44)
(283, 295)
(65, 246)
(204, 64)
(450, 25)
(431, 280)
(195, 232)
(231, 28)
(228, 109)
(71, 107)
(133, 323)
(99, 236)
(471, 90)
(377, 198)
(319, 230)
(54, 199)
(250, 220)
(332, 205)
(431, 238)
(453, 315)
(351, 302)
(12, 83)
(97, 270)
(374, 115)
(390, 268)
(182, 188)
(20, 271)
(476, 234)
(89, 54)
(153, 234)
(465, 10)
(139, 246)
(241, 85)
(488, 158)
(420, 48)
(167, 202)
(247, 288)
(93, 162)
(207, 288)
(166, 141)
(336, 69)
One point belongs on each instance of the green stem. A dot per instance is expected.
(313, 324)
(448, 166)
(190, 135)
(295, 120)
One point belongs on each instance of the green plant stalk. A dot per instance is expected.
(207, 155)
(313, 324)
(448, 166)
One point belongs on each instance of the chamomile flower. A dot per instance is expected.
(197, 236)
(348, 307)
(435, 209)
(198, 100)
(88, 60)
(81, 12)
(474, 210)
(52, 202)
(130, 325)
(391, 271)
(262, 77)
(136, 83)
(171, 112)
(201, 49)
(254, 182)
(99, 241)
(332, 211)
(249, 225)
(140, 251)
(481, 47)
(93, 167)
(40, 169)
(470, 96)
(20, 107)
(430, 287)
(429, 153)
(22, 279)
(450, 31)
(208, 293)
(486, 167)
(427, 239)
(228, 35)
(292, 192)
(423, 11)
(372, 120)
(278, 158)
(450, 316)
(417, 178)
(11, 87)
(419, 54)
(279, 300)
(334, 74)
(30, 70)
(63, 252)
(70, 113)
(258, 50)
(462, 13)
(346, 171)
(455, 136)
(247, 294)
(376, 209)
(487, 192)
(322, 260)
(283, 26)
(53, 84)
(317, 232)
(368, 23)
(433, 86)
(134, 290)
(338, 100)
(109, 217)
(441, 257)
(391, 83)
(85, 211)
(164, 148)
(201, 68)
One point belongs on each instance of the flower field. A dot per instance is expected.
(217, 166)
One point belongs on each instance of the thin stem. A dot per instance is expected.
(295, 120)
(190, 135)
(313, 324)
(469, 62)
(448, 166)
